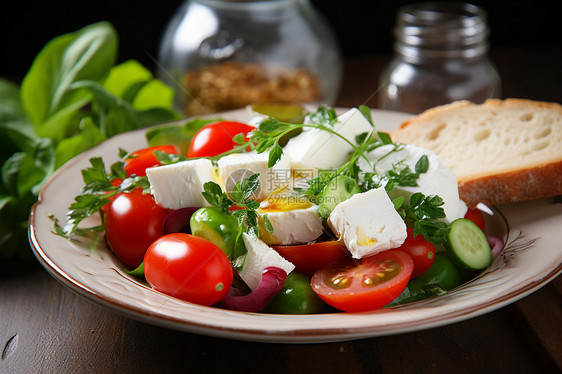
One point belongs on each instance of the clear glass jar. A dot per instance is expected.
(440, 57)
(223, 55)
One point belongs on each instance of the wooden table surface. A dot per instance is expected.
(46, 328)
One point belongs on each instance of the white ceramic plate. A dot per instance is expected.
(531, 258)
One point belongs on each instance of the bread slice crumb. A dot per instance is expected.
(501, 150)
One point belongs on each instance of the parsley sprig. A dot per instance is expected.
(425, 214)
(241, 197)
(97, 191)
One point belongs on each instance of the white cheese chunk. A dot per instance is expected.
(295, 226)
(235, 167)
(259, 257)
(180, 185)
(438, 180)
(314, 148)
(368, 223)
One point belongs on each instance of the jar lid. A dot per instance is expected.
(441, 29)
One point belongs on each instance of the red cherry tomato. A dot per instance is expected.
(144, 158)
(367, 284)
(420, 250)
(132, 222)
(216, 138)
(189, 268)
(308, 258)
(476, 216)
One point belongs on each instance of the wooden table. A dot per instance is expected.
(46, 328)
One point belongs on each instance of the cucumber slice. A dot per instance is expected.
(339, 189)
(468, 245)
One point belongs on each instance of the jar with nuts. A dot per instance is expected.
(227, 54)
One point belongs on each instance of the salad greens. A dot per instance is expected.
(73, 97)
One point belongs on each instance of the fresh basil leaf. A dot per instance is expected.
(126, 75)
(88, 137)
(36, 167)
(16, 131)
(154, 94)
(88, 53)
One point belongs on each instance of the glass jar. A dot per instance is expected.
(440, 56)
(223, 55)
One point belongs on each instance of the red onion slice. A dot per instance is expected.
(178, 221)
(272, 281)
(496, 244)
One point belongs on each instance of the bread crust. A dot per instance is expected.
(503, 186)
(520, 185)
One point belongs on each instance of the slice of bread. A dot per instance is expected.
(501, 151)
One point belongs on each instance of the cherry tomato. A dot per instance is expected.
(216, 138)
(308, 258)
(420, 250)
(144, 158)
(476, 216)
(133, 221)
(189, 268)
(367, 284)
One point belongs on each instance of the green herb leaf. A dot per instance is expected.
(384, 138)
(46, 89)
(323, 116)
(427, 215)
(267, 224)
(275, 154)
(366, 111)
(422, 165)
(214, 195)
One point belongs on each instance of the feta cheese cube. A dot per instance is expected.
(294, 226)
(437, 180)
(368, 223)
(179, 185)
(235, 167)
(314, 148)
(259, 257)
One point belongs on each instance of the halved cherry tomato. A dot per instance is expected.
(476, 216)
(189, 268)
(216, 138)
(308, 258)
(367, 284)
(133, 221)
(144, 158)
(421, 251)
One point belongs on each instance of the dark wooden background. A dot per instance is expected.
(46, 328)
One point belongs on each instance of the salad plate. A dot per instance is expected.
(531, 257)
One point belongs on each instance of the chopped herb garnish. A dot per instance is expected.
(97, 191)
(241, 197)
(426, 214)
